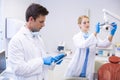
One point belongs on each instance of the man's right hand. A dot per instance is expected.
(58, 58)
(48, 60)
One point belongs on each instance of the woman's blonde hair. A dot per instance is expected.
(81, 17)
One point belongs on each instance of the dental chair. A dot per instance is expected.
(110, 71)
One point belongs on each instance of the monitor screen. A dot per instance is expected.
(2, 61)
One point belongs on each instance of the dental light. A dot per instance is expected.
(106, 25)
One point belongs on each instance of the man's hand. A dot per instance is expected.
(58, 58)
(48, 60)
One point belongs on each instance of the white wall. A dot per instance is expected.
(1, 29)
(13, 9)
(61, 23)
(16, 8)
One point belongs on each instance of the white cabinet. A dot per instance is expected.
(59, 71)
(99, 61)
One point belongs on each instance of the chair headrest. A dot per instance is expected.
(114, 59)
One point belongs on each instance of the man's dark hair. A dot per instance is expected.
(35, 10)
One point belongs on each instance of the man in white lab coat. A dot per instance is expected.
(26, 51)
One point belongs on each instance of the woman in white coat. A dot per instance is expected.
(26, 52)
(82, 64)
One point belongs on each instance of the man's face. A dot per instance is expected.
(37, 24)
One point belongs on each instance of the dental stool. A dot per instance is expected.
(110, 71)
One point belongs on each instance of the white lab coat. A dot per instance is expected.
(76, 64)
(25, 56)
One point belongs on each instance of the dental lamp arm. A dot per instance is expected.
(106, 12)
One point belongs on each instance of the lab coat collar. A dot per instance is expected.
(85, 35)
(84, 32)
(27, 32)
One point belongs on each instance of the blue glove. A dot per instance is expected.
(48, 60)
(97, 28)
(58, 57)
(114, 27)
(59, 62)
